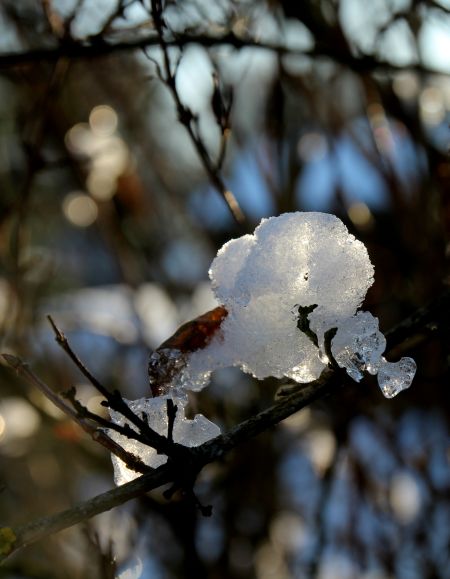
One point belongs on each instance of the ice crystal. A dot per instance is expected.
(358, 345)
(187, 432)
(393, 377)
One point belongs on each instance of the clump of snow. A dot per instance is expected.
(187, 432)
(296, 260)
(291, 260)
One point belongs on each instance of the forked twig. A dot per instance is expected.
(190, 121)
(97, 434)
(115, 401)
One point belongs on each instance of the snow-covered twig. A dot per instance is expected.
(199, 457)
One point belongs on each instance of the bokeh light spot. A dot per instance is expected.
(432, 108)
(80, 209)
(321, 445)
(312, 147)
(103, 120)
(360, 215)
(2, 425)
(404, 497)
(406, 85)
(78, 139)
(101, 185)
(18, 419)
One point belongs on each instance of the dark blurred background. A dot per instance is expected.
(109, 222)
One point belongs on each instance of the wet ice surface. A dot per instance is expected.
(187, 432)
(393, 377)
(296, 259)
(163, 368)
(358, 345)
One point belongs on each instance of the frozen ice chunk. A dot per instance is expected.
(187, 432)
(164, 367)
(393, 377)
(358, 345)
(294, 259)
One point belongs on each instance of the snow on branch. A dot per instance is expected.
(284, 288)
(290, 295)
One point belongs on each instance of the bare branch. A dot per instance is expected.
(171, 415)
(200, 456)
(426, 321)
(64, 344)
(96, 434)
(190, 122)
(115, 401)
(80, 50)
(41, 528)
(122, 5)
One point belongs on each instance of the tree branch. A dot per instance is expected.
(96, 434)
(432, 318)
(202, 455)
(45, 526)
(190, 121)
(114, 400)
(424, 322)
(76, 49)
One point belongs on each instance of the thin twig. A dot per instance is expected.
(114, 399)
(71, 18)
(84, 412)
(303, 323)
(200, 456)
(96, 434)
(45, 526)
(171, 415)
(64, 344)
(122, 5)
(189, 120)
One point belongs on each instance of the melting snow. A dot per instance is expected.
(188, 432)
(296, 259)
(292, 263)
